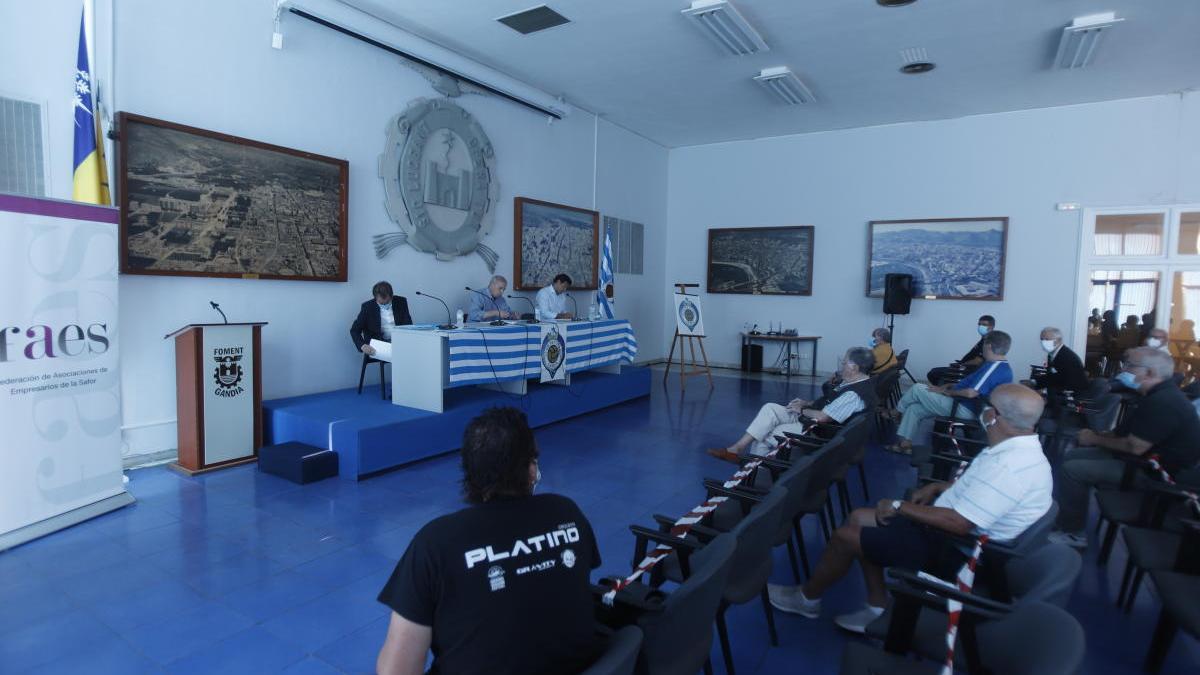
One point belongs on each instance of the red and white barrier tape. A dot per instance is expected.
(684, 525)
(966, 581)
(1193, 500)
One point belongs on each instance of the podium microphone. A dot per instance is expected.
(575, 306)
(445, 326)
(499, 321)
(218, 308)
(531, 306)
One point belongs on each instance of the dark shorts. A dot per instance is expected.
(902, 543)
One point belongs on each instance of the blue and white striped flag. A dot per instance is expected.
(606, 278)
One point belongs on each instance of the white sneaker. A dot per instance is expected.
(791, 599)
(1072, 539)
(856, 622)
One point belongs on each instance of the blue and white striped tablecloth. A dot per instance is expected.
(482, 354)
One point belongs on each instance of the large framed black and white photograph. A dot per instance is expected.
(948, 258)
(201, 203)
(551, 239)
(761, 260)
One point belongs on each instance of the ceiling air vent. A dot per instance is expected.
(1078, 44)
(726, 27)
(784, 84)
(533, 20)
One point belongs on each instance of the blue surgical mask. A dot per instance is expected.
(873, 341)
(983, 330)
(1128, 379)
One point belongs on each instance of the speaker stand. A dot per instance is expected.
(892, 330)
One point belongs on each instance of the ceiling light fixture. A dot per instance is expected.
(784, 84)
(895, 3)
(726, 27)
(1077, 46)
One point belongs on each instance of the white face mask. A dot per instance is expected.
(985, 425)
(1153, 342)
(1048, 345)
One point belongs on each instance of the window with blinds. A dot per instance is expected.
(22, 150)
(627, 238)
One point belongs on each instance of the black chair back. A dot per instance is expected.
(1037, 638)
(620, 655)
(1045, 575)
(755, 536)
(677, 639)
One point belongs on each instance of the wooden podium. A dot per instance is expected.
(218, 395)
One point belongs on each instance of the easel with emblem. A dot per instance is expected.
(688, 316)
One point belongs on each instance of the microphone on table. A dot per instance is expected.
(531, 306)
(445, 326)
(499, 321)
(575, 305)
(218, 308)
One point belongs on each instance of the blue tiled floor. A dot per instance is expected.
(239, 572)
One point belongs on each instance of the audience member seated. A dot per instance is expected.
(1003, 491)
(854, 394)
(377, 316)
(881, 348)
(1157, 339)
(501, 586)
(937, 376)
(550, 303)
(1064, 369)
(491, 306)
(1163, 423)
(924, 401)
(1130, 334)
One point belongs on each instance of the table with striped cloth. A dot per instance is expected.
(479, 354)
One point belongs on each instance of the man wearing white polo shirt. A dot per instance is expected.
(1004, 490)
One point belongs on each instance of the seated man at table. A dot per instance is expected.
(1004, 490)
(551, 302)
(853, 395)
(377, 316)
(922, 402)
(501, 586)
(1163, 423)
(937, 376)
(490, 305)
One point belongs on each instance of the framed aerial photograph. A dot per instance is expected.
(949, 258)
(202, 203)
(550, 239)
(761, 260)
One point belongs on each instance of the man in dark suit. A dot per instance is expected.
(972, 359)
(1064, 369)
(377, 316)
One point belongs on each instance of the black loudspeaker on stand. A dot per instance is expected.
(897, 299)
(897, 293)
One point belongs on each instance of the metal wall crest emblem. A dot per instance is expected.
(554, 351)
(439, 181)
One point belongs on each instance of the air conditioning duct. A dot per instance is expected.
(379, 33)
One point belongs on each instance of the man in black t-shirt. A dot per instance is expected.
(1164, 423)
(501, 586)
(970, 360)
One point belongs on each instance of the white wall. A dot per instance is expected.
(210, 65)
(1139, 151)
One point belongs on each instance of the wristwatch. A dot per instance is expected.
(896, 505)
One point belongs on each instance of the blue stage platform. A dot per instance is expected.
(370, 434)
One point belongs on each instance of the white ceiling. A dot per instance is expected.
(644, 66)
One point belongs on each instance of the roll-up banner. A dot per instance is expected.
(60, 404)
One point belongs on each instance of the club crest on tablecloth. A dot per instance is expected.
(553, 353)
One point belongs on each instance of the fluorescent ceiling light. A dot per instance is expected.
(726, 27)
(784, 84)
(1077, 46)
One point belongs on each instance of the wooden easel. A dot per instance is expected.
(693, 367)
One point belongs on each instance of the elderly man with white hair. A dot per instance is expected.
(1163, 424)
(490, 305)
(1064, 369)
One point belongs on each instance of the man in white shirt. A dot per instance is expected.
(1006, 489)
(551, 301)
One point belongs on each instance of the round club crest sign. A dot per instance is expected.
(689, 314)
(439, 180)
(554, 351)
